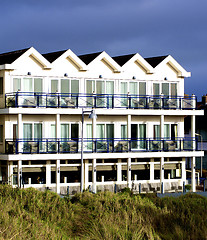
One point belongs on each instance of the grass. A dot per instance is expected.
(31, 214)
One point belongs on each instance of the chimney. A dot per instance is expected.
(204, 99)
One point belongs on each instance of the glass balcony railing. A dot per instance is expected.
(109, 101)
(98, 145)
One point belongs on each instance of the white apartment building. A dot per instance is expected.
(69, 123)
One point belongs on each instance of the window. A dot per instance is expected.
(123, 131)
(64, 86)
(138, 136)
(28, 84)
(1, 85)
(1, 133)
(165, 88)
(70, 131)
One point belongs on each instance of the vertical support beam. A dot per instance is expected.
(162, 126)
(119, 179)
(86, 173)
(129, 173)
(57, 128)
(48, 173)
(193, 180)
(152, 170)
(94, 176)
(19, 173)
(58, 176)
(20, 132)
(183, 171)
(129, 119)
(162, 174)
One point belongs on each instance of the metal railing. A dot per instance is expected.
(109, 101)
(97, 145)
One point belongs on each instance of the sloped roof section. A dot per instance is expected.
(154, 61)
(87, 58)
(121, 60)
(10, 57)
(51, 57)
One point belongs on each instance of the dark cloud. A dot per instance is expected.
(149, 27)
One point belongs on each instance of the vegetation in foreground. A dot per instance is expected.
(31, 214)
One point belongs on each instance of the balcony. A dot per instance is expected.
(108, 101)
(36, 146)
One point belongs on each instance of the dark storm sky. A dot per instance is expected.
(149, 27)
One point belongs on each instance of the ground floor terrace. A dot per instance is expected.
(69, 176)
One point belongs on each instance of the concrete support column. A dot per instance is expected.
(162, 173)
(152, 170)
(19, 173)
(86, 173)
(20, 131)
(94, 176)
(183, 173)
(58, 176)
(129, 173)
(119, 179)
(129, 119)
(193, 180)
(48, 173)
(57, 127)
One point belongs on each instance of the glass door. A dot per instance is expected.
(124, 94)
(110, 93)
(142, 136)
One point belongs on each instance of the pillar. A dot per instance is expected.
(94, 176)
(20, 132)
(58, 176)
(119, 173)
(183, 170)
(193, 183)
(162, 173)
(86, 175)
(48, 173)
(152, 170)
(129, 173)
(129, 119)
(57, 128)
(19, 173)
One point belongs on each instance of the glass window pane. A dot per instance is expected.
(123, 87)
(65, 86)
(100, 87)
(156, 89)
(38, 84)
(173, 89)
(100, 130)
(27, 85)
(1, 133)
(109, 87)
(1, 85)
(27, 131)
(89, 130)
(16, 84)
(52, 131)
(54, 86)
(110, 131)
(64, 130)
(74, 131)
(123, 131)
(74, 86)
(90, 86)
(165, 89)
(142, 130)
(166, 131)
(156, 131)
(38, 130)
(133, 88)
(142, 88)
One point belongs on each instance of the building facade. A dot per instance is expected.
(69, 123)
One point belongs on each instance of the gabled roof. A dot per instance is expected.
(10, 57)
(51, 57)
(87, 58)
(121, 60)
(154, 61)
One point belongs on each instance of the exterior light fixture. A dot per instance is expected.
(29, 73)
(165, 78)
(100, 76)
(65, 75)
(133, 77)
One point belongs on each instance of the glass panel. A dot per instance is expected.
(109, 87)
(100, 89)
(173, 89)
(74, 131)
(165, 89)
(142, 88)
(89, 130)
(133, 88)
(156, 131)
(74, 86)
(64, 130)
(134, 135)
(156, 89)
(1, 85)
(142, 136)
(52, 131)
(123, 131)
(110, 131)
(27, 131)
(16, 84)
(90, 86)
(27, 85)
(123, 87)
(38, 84)
(1, 133)
(54, 86)
(100, 129)
(38, 130)
(65, 86)
(174, 131)
(167, 131)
